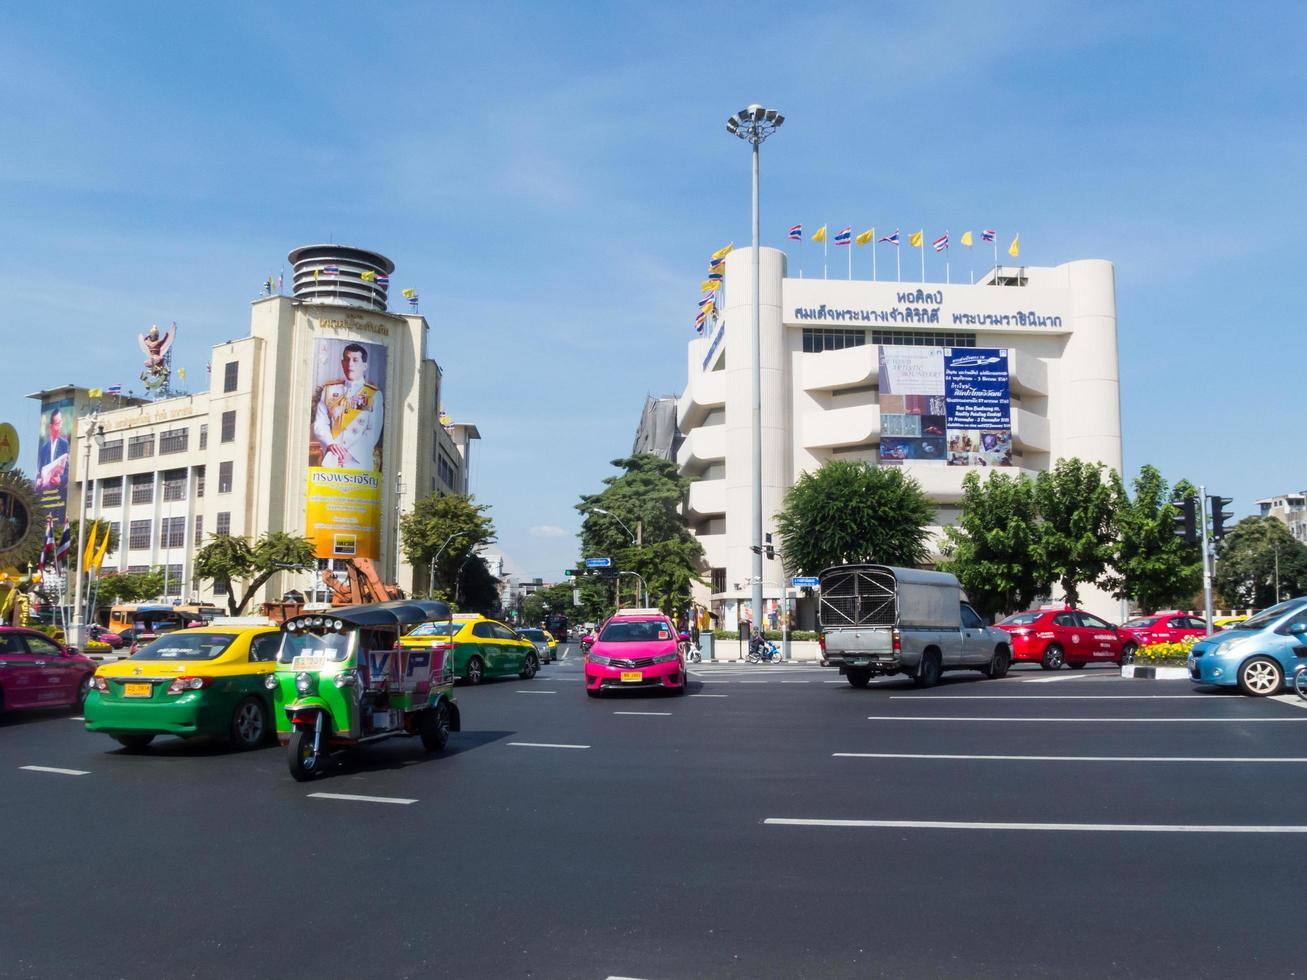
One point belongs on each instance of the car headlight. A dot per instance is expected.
(595, 658)
(345, 679)
(303, 682)
(270, 682)
(666, 658)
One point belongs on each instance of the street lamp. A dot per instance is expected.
(635, 540)
(753, 125)
(94, 431)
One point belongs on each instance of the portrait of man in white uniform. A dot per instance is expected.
(347, 421)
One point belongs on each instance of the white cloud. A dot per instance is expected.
(548, 531)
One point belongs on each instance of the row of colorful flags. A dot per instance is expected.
(367, 275)
(710, 288)
(116, 389)
(53, 554)
(916, 239)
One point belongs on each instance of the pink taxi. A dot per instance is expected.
(636, 649)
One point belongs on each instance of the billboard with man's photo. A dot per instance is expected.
(52, 457)
(345, 448)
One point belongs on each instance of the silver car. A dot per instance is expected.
(541, 641)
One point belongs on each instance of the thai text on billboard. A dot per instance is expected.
(345, 465)
(52, 458)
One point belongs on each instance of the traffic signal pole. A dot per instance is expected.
(1207, 559)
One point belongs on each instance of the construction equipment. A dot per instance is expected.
(357, 584)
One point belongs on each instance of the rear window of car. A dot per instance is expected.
(1138, 624)
(186, 646)
(533, 634)
(1022, 619)
(636, 631)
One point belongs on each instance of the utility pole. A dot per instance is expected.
(1207, 559)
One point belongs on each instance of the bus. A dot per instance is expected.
(556, 623)
(146, 620)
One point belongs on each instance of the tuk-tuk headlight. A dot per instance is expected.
(303, 682)
(345, 678)
(270, 682)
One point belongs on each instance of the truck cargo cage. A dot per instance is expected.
(858, 595)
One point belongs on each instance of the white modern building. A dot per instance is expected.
(1018, 370)
(1291, 508)
(256, 449)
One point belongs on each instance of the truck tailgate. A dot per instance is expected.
(860, 640)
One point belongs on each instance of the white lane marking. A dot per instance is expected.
(796, 682)
(1172, 721)
(710, 695)
(1144, 828)
(1071, 758)
(58, 771)
(623, 978)
(1049, 697)
(547, 745)
(76, 718)
(535, 692)
(658, 714)
(360, 799)
(1058, 677)
(1292, 699)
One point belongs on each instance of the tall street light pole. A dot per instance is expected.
(753, 125)
(93, 431)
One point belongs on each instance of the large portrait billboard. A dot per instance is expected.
(52, 458)
(345, 440)
(945, 405)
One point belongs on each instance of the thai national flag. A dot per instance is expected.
(796, 233)
(65, 545)
(988, 235)
(331, 270)
(382, 279)
(844, 237)
(114, 390)
(47, 549)
(941, 242)
(890, 239)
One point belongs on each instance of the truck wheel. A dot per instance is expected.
(997, 666)
(1053, 657)
(929, 671)
(858, 678)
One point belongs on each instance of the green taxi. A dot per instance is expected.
(482, 647)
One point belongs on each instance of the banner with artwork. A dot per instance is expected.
(345, 464)
(52, 459)
(945, 405)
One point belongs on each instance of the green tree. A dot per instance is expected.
(853, 512)
(448, 529)
(1078, 503)
(129, 587)
(991, 549)
(1247, 558)
(475, 589)
(227, 559)
(1153, 566)
(643, 503)
(554, 598)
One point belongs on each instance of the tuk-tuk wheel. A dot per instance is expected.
(433, 727)
(300, 758)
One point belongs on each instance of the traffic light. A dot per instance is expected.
(569, 572)
(1219, 515)
(1186, 523)
(770, 551)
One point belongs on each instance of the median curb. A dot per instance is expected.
(1155, 673)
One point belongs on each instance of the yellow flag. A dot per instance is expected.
(90, 547)
(367, 275)
(722, 252)
(966, 239)
(315, 275)
(1015, 248)
(866, 236)
(409, 293)
(99, 554)
(95, 393)
(710, 285)
(181, 373)
(915, 238)
(819, 235)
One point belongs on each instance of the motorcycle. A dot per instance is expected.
(764, 651)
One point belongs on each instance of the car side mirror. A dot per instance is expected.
(684, 637)
(1298, 629)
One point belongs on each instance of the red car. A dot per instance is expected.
(37, 672)
(1164, 627)
(1058, 635)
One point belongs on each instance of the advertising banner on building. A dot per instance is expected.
(345, 465)
(945, 405)
(52, 459)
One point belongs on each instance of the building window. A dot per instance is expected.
(138, 537)
(199, 529)
(229, 426)
(447, 473)
(199, 481)
(818, 339)
(922, 338)
(224, 523)
(138, 447)
(111, 493)
(111, 452)
(107, 570)
(143, 488)
(719, 580)
(137, 569)
(172, 532)
(204, 436)
(174, 485)
(116, 529)
(229, 375)
(174, 579)
(174, 441)
(224, 477)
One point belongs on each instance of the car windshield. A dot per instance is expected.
(639, 631)
(1136, 624)
(330, 646)
(437, 629)
(1268, 616)
(1021, 619)
(186, 646)
(533, 634)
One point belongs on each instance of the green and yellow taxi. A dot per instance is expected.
(204, 681)
(482, 647)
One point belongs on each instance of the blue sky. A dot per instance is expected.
(552, 178)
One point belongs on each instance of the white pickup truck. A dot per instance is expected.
(878, 619)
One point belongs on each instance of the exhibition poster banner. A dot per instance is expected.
(52, 458)
(945, 405)
(345, 465)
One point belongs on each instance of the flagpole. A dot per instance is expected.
(874, 246)
(922, 246)
(824, 239)
(850, 248)
(947, 275)
(898, 263)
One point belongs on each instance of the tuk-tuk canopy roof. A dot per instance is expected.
(399, 612)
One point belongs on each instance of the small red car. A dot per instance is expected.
(1058, 635)
(1164, 627)
(37, 672)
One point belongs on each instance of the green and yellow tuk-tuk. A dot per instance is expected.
(344, 680)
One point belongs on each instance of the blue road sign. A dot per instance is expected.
(598, 563)
(804, 581)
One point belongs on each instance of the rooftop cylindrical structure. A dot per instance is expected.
(334, 274)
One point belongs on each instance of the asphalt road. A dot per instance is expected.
(643, 848)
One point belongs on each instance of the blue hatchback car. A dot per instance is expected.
(1259, 655)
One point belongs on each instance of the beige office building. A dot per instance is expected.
(326, 421)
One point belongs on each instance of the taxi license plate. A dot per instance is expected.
(137, 690)
(632, 675)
